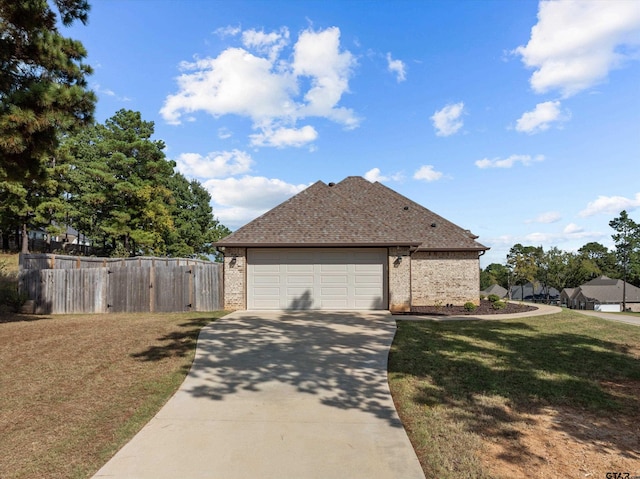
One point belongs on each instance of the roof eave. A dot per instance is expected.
(316, 245)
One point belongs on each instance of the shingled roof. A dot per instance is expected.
(353, 212)
(607, 290)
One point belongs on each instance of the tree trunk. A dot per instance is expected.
(25, 239)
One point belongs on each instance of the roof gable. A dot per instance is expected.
(611, 292)
(317, 216)
(354, 212)
(432, 231)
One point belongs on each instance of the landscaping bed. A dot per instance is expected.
(485, 307)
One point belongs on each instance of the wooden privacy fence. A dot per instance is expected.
(73, 284)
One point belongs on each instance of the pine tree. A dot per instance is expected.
(43, 94)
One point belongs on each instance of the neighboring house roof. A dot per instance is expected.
(353, 212)
(495, 289)
(529, 292)
(606, 290)
(568, 292)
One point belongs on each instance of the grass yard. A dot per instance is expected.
(75, 388)
(550, 396)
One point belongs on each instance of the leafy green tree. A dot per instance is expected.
(627, 242)
(195, 225)
(554, 269)
(135, 173)
(125, 195)
(598, 260)
(43, 94)
(495, 273)
(522, 262)
(43, 88)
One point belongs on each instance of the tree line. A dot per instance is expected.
(111, 182)
(555, 268)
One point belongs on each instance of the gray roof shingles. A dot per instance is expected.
(607, 290)
(353, 212)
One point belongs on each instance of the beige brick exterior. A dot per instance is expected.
(235, 279)
(419, 279)
(449, 277)
(399, 280)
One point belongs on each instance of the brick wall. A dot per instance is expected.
(235, 279)
(399, 280)
(445, 278)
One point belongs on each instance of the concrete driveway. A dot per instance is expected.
(620, 317)
(279, 395)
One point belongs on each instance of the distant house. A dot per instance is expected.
(603, 294)
(565, 296)
(495, 289)
(538, 293)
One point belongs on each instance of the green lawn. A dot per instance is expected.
(457, 383)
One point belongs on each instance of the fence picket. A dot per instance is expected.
(98, 285)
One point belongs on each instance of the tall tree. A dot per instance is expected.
(494, 273)
(522, 262)
(195, 226)
(598, 260)
(137, 197)
(125, 195)
(43, 91)
(627, 241)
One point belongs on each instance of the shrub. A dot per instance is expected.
(469, 306)
(10, 299)
(499, 305)
(494, 297)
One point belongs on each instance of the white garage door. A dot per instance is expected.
(316, 278)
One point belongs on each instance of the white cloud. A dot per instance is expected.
(375, 174)
(398, 67)
(236, 82)
(317, 56)
(526, 160)
(270, 44)
(266, 84)
(573, 229)
(541, 117)
(546, 218)
(228, 31)
(611, 205)
(576, 43)
(427, 173)
(214, 165)
(224, 133)
(241, 200)
(282, 137)
(109, 92)
(447, 121)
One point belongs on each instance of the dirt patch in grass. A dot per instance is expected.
(552, 396)
(564, 442)
(75, 388)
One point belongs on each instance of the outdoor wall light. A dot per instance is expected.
(233, 261)
(398, 260)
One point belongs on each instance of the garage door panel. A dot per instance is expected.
(267, 268)
(299, 268)
(334, 279)
(299, 279)
(267, 279)
(266, 291)
(334, 292)
(319, 278)
(334, 268)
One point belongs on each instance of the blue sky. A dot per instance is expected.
(518, 120)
